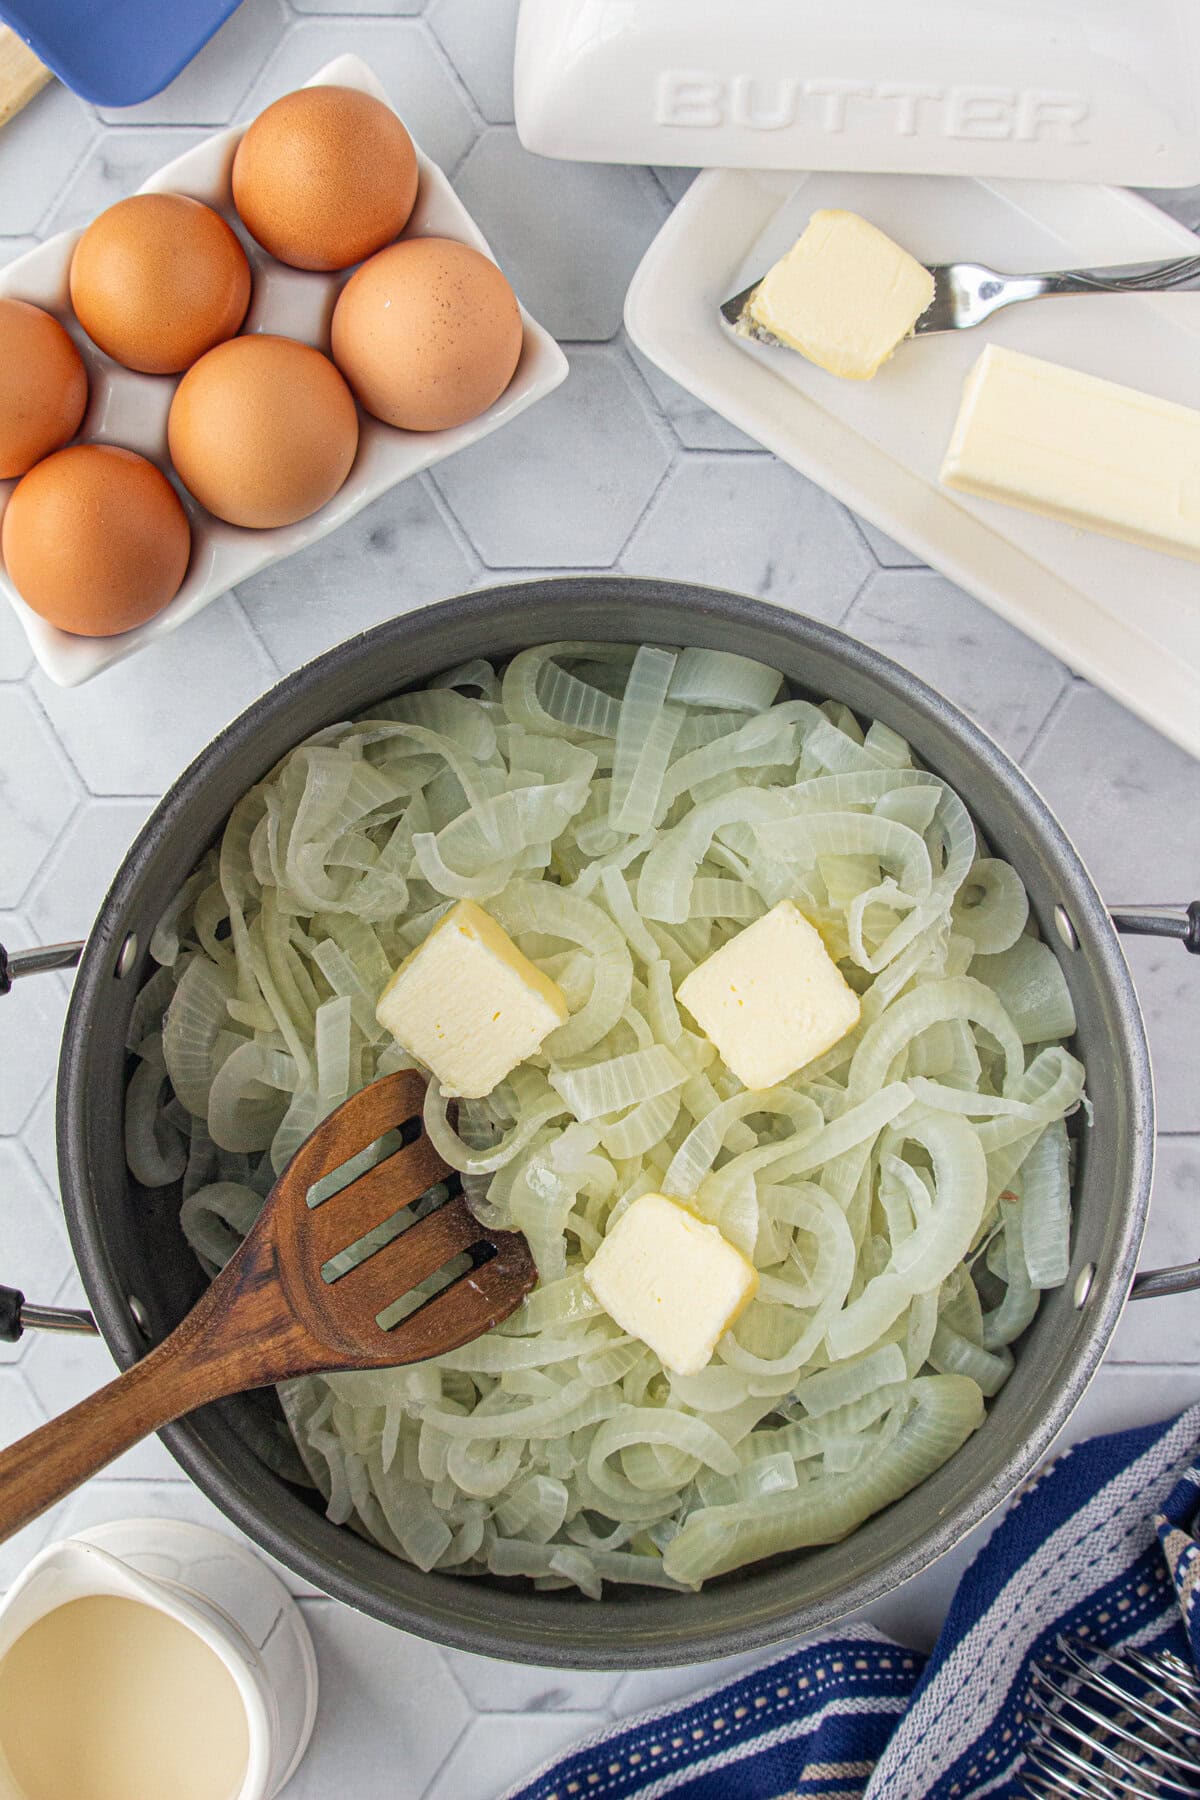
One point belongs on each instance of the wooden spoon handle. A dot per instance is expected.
(21, 74)
(58, 1457)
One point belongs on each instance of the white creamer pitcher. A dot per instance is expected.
(216, 1588)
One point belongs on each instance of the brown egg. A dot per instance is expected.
(43, 387)
(263, 431)
(95, 539)
(428, 334)
(324, 177)
(157, 280)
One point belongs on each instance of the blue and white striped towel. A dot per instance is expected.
(1099, 1545)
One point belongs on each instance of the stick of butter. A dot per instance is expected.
(844, 295)
(671, 1280)
(468, 1004)
(1074, 447)
(772, 998)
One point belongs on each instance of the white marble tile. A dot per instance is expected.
(390, 7)
(1168, 986)
(15, 655)
(563, 485)
(63, 1369)
(126, 731)
(503, 1687)
(1126, 796)
(751, 523)
(496, 1752)
(478, 36)
(886, 551)
(405, 60)
(68, 893)
(38, 792)
(210, 89)
(388, 1713)
(1001, 678)
(1167, 1331)
(106, 1499)
(568, 235)
(38, 1134)
(119, 163)
(696, 425)
(33, 1240)
(19, 1415)
(39, 149)
(674, 182)
(398, 553)
(31, 1021)
(1130, 801)
(647, 1689)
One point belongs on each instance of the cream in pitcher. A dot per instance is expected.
(176, 1668)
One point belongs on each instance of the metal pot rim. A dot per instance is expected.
(281, 1523)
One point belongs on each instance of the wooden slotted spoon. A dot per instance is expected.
(271, 1314)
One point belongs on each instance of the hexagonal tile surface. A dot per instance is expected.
(493, 1754)
(696, 425)
(1001, 678)
(392, 1699)
(390, 7)
(126, 731)
(564, 485)
(493, 1686)
(121, 161)
(398, 553)
(886, 551)
(62, 1369)
(210, 89)
(567, 235)
(32, 1018)
(37, 1258)
(19, 1415)
(1154, 1332)
(38, 1134)
(37, 792)
(15, 654)
(403, 56)
(483, 58)
(750, 523)
(38, 150)
(1125, 795)
(75, 880)
(1130, 801)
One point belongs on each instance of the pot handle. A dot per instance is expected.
(1182, 922)
(15, 963)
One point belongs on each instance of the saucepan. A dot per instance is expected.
(141, 1277)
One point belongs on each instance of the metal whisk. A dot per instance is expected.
(1128, 1724)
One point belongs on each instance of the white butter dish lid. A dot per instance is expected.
(1059, 90)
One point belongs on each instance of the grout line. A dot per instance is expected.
(1056, 707)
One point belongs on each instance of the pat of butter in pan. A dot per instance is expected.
(468, 1004)
(671, 1280)
(1074, 447)
(844, 295)
(772, 998)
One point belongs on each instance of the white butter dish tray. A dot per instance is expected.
(1127, 618)
(1056, 90)
(131, 410)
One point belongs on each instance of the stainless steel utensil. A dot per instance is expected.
(965, 294)
(1106, 1724)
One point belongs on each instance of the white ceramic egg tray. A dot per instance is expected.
(131, 410)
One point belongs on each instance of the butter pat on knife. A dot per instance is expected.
(1093, 453)
(844, 295)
